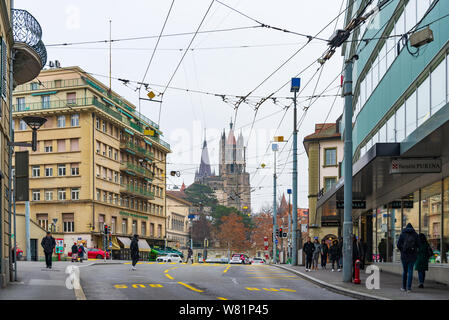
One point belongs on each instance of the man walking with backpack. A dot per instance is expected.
(408, 245)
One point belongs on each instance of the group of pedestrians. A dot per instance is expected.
(315, 250)
(78, 251)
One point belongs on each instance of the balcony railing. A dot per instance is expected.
(137, 190)
(137, 169)
(137, 149)
(56, 104)
(44, 85)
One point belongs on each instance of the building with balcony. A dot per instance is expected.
(178, 235)
(324, 150)
(400, 134)
(22, 56)
(98, 162)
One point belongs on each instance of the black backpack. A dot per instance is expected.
(410, 246)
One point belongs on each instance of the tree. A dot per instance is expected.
(263, 227)
(199, 194)
(201, 229)
(232, 233)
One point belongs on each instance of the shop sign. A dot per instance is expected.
(415, 165)
(405, 204)
(356, 204)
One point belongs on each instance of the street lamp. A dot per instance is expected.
(295, 85)
(34, 123)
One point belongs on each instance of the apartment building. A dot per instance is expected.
(98, 161)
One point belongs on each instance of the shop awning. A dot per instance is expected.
(44, 93)
(148, 142)
(129, 131)
(125, 113)
(143, 246)
(115, 245)
(126, 241)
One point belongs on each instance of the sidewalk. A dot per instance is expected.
(390, 285)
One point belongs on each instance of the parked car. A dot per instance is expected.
(94, 253)
(258, 261)
(169, 257)
(240, 258)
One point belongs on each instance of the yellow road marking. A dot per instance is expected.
(127, 263)
(121, 286)
(221, 298)
(277, 277)
(270, 289)
(252, 289)
(156, 285)
(169, 276)
(138, 285)
(190, 287)
(288, 290)
(162, 262)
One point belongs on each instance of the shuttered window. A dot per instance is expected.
(4, 74)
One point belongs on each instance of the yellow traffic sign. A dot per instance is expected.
(151, 95)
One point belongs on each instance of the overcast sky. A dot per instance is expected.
(221, 63)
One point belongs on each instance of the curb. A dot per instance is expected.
(334, 288)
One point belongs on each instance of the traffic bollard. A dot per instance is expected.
(357, 272)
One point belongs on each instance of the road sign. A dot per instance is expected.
(276, 241)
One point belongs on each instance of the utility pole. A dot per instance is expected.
(295, 85)
(274, 148)
(347, 222)
(289, 239)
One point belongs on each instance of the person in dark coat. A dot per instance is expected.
(74, 251)
(382, 247)
(422, 262)
(308, 249)
(362, 252)
(324, 252)
(48, 243)
(334, 253)
(134, 247)
(356, 253)
(81, 252)
(189, 255)
(340, 253)
(408, 244)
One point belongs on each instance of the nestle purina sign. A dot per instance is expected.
(415, 165)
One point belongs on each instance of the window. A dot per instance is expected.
(75, 170)
(36, 195)
(98, 195)
(400, 123)
(113, 224)
(115, 177)
(437, 91)
(45, 101)
(71, 98)
(61, 145)
(42, 220)
(134, 226)
(329, 182)
(61, 170)
(391, 134)
(144, 228)
(36, 171)
(152, 229)
(330, 157)
(68, 222)
(110, 152)
(98, 147)
(410, 114)
(101, 221)
(61, 194)
(423, 101)
(74, 144)
(75, 120)
(75, 193)
(48, 195)
(61, 122)
(124, 226)
(104, 126)
(22, 125)
(20, 104)
(97, 123)
(410, 15)
(159, 230)
(48, 171)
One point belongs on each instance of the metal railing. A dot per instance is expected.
(140, 150)
(56, 104)
(54, 84)
(137, 169)
(138, 190)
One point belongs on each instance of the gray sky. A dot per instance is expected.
(218, 64)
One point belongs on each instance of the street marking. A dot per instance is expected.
(270, 289)
(252, 289)
(121, 286)
(227, 268)
(288, 290)
(127, 263)
(156, 285)
(173, 262)
(169, 276)
(221, 298)
(161, 262)
(190, 287)
(138, 285)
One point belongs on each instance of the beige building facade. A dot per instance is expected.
(22, 56)
(325, 153)
(178, 220)
(98, 161)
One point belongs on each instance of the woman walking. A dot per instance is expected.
(316, 254)
(422, 262)
(324, 252)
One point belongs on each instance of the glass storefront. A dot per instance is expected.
(430, 222)
(445, 225)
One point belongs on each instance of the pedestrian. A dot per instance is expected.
(74, 252)
(422, 262)
(48, 243)
(324, 253)
(81, 252)
(408, 244)
(382, 247)
(134, 247)
(355, 254)
(316, 253)
(340, 253)
(334, 253)
(308, 249)
(362, 253)
(189, 255)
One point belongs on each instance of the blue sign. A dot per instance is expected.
(191, 216)
(296, 84)
(289, 191)
(276, 241)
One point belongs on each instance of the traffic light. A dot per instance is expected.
(277, 232)
(106, 229)
(280, 233)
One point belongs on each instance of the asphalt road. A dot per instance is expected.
(179, 281)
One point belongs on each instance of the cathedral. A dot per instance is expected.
(231, 185)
